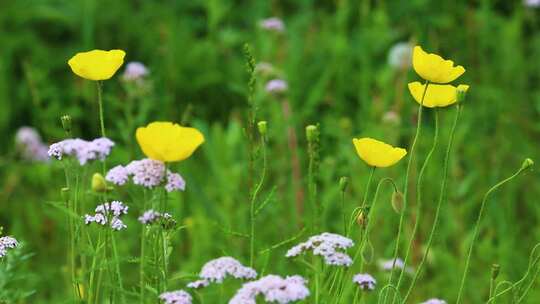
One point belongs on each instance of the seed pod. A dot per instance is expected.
(312, 133)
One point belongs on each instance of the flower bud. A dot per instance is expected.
(495, 268)
(263, 127)
(66, 123)
(362, 219)
(343, 183)
(64, 193)
(312, 133)
(461, 93)
(98, 183)
(397, 201)
(527, 163)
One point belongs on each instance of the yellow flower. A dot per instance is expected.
(377, 153)
(437, 95)
(434, 68)
(97, 64)
(167, 141)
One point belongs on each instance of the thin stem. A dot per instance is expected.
(143, 254)
(117, 267)
(419, 198)
(477, 229)
(100, 104)
(406, 185)
(253, 202)
(439, 204)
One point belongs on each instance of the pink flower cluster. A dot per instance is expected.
(175, 297)
(148, 173)
(83, 150)
(29, 142)
(327, 245)
(215, 271)
(274, 289)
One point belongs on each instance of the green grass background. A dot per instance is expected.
(334, 56)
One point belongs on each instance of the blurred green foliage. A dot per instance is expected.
(334, 56)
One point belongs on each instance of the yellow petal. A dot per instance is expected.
(377, 153)
(97, 64)
(434, 68)
(437, 95)
(167, 141)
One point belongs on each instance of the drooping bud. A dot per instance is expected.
(312, 133)
(98, 183)
(66, 123)
(362, 219)
(495, 268)
(263, 127)
(397, 201)
(343, 183)
(527, 163)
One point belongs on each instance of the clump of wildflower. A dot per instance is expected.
(365, 281)
(274, 289)
(148, 173)
(135, 71)
(215, 271)
(434, 301)
(273, 24)
(398, 263)
(83, 150)
(400, 55)
(151, 217)
(276, 86)
(326, 245)
(108, 214)
(7, 243)
(30, 144)
(176, 297)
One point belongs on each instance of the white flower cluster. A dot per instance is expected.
(108, 213)
(215, 271)
(326, 245)
(6, 243)
(274, 289)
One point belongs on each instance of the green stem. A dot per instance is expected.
(143, 254)
(117, 267)
(406, 185)
(439, 204)
(419, 198)
(477, 229)
(253, 202)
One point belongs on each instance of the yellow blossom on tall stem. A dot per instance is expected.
(97, 64)
(436, 95)
(377, 153)
(434, 68)
(167, 141)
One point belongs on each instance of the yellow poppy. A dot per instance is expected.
(377, 153)
(97, 64)
(167, 141)
(434, 68)
(437, 95)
